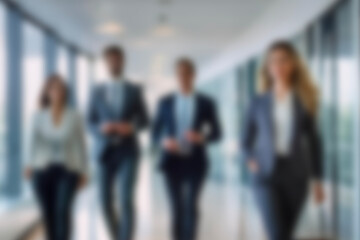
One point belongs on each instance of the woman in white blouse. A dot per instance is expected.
(57, 164)
(281, 143)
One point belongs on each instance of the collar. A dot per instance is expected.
(119, 79)
(288, 98)
(182, 95)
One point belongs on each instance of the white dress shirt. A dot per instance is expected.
(283, 122)
(62, 144)
(184, 116)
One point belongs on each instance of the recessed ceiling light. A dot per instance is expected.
(163, 29)
(111, 28)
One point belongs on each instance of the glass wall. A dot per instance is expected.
(33, 77)
(2, 96)
(83, 83)
(346, 107)
(62, 62)
(329, 48)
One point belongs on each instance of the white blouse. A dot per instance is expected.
(58, 144)
(283, 122)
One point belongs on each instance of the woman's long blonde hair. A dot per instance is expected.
(303, 84)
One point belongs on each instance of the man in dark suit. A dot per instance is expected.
(116, 114)
(185, 123)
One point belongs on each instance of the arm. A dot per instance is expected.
(315, 147)
(215, 129)
(142, 117)
(157, 126)
(92, 116)
(249, 133)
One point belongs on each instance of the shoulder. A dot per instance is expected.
(133, 87)
(206, 100)
(74, 114)
(167, 98)
(260, 99)
(96, 88)
(38, 115)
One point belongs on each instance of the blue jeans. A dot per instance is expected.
(55, 188)
(184, 189)
(120, 171)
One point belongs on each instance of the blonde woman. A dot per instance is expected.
(281, 143)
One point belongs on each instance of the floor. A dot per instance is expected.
(228, 212)
(220, 218)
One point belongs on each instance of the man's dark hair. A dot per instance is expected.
(114, 50)
(186, 62)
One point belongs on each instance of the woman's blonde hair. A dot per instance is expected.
(302, 81)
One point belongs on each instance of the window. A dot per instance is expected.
(33, 77)
(2, 95)
(82, 81)
(347, 105)
(63, 62)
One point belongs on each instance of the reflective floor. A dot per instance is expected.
(227, 212)
(220, 216)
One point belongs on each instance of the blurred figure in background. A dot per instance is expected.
(117, 113)
(281, 141)
(185, 123)
(58, 164)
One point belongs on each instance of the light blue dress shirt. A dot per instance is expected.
(185, 112)
(115, 95)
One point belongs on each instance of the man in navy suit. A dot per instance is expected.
(186, 122)
(116, 114)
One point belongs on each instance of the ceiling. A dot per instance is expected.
(202, 28)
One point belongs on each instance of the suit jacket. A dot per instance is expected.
(165, 126)
(258, 139)
(133, 111)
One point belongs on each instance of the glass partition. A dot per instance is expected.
(82, 81)
(346, 65)
(2, 97)
(33, 77)
(62, 66)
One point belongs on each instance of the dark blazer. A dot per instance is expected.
(258, 139)
(133, 111)
(165, 126)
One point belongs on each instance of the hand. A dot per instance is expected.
(107, 128)
(194, 137)
(123, 129)
(171, 145)
(28, 173)
(319, 193)
(83, 181)
(253, 166)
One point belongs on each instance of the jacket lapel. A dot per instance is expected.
(269, 106)
(126, 102)
(297, 108)
(197, 114)
(172, 117)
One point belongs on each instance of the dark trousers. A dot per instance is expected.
(119, 170)
(184, 188)
(55, 188)
(280, 200)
